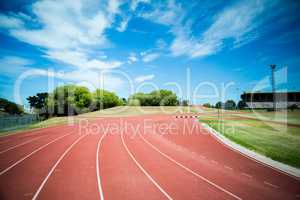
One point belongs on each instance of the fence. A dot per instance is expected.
(12, 122)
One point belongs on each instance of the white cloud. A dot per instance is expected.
(92, 79)
(134, 3)
(113, 6)
(68, 30)
(160, 44)
(237, 23)
(123, 25)
(10, 22)
(65, 25)
(89, 78)
(80, 60)
(143, 78)
(12, 65)
(149, 57)
(132, 58)
(166, 14)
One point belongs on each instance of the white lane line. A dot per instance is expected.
(189, 170)
(54, 166)
(227, 167)
(214, 162)
(270, 184)
(98, 168)
(18, 145)
(35, 151)
(247, 175)
(144, 171)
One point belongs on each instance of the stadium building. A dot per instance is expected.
(265, 99)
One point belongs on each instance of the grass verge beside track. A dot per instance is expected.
(275, 140)
(43, 124)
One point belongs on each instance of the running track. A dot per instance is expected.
(152, 157)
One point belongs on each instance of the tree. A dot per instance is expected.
(154, 98)
(207, 105)
(219, 104)
(83, 97)
(184, 102)
(104, 99)
(69, 100)
(10, 107)
(293, 107)
(62, 101)
(230, 105)
(124, 101)
(241, 104)
(38, 102)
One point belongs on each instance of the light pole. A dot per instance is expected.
(273, 86)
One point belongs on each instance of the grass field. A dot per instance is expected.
(278, 141)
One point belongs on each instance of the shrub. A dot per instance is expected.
(230, 105)
(104, 99)
(72, 100)
(241, 104)
(219, 104)
(10, 107)
(207, 105)
(154, 98)
(293, 107)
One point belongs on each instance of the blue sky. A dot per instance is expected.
(194, 48)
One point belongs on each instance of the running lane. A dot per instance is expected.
(12, 156)
(22, 180)
(193, 147)
(28, 133)
(74, 176)
(26, 138)
(120, 176)
(178, 183)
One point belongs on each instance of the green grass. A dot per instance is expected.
(291, 117)
(43, 124)
(276, 141)
(284, 116)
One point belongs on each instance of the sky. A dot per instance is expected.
(204, 51)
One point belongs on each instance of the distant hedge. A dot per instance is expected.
(154, 98)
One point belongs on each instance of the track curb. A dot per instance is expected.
(273, 164)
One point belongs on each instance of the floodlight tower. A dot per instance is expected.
(273, 67)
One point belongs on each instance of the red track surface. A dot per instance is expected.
(157, 157)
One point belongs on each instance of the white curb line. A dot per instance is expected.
(278, 166)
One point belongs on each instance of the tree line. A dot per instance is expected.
(155, 98)
(228, 105)
(73, 100)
